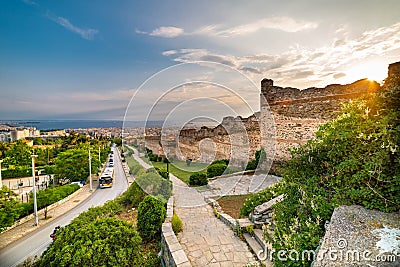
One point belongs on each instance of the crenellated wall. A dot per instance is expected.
(297, 114)
(288, 117)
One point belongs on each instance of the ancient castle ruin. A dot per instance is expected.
(288, 117)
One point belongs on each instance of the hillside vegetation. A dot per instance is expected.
(353, 160)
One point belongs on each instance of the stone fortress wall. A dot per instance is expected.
(288, 117)
(299, 113)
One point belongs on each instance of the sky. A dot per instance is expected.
(153, 59)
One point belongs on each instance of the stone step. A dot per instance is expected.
(245, 222)
(252, 242)
(259, 237)
(256, 247)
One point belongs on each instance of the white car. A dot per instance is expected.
(78, 183)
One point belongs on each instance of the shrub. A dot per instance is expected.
(250, 229)
(16, 173)
(154, 184)
(259, 158)
(151, 215)
(237, 229)
(252, 165)
(260, 198)
(220, 161)
(198, 178)
(163, 173)
(103, 242)
(177, 225)
(133, 195)
(216, 169)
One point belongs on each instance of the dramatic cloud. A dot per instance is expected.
(299, 66)
(87, 34)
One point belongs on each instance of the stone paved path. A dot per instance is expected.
(239, 185)
(206, 240)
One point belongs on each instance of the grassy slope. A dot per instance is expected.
(180, 170)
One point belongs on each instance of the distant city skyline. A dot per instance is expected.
(86, 59)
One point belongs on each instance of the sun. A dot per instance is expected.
(374, 71)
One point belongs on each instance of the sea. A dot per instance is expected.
(79, 124)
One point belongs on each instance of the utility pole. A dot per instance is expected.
(99, 155)
(90, 172)
(34, 191)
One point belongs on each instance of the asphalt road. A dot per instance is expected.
(36, 242)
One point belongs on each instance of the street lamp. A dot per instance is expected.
(99, 155)
(90, 172)
(34, 190)
(1, 182)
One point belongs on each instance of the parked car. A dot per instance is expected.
(78, 183)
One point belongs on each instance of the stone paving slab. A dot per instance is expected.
(239, 185)
(206, 240)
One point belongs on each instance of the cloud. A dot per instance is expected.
(299, 66)
(339, 75)
(169, 53)
(87, 34)
(285, 24)
(165, 32)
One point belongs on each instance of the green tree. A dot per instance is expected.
(4, 147)
(19, 154)
(151, 215)
(73, 164)
(9, 208)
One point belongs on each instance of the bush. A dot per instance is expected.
(163, 173)
(260, 198)
(154, 184)
(133, 195)
(103, 242)
(252, 165)
(198, 178)
(250, 229)
(216, 169)
(220, 161)
(16, 173)
(259, 158)
(177, 225)
(151, 215)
